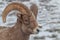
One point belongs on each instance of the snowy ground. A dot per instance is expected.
(48, 17)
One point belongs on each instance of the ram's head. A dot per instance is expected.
(26, 17)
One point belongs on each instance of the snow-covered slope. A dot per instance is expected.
(48, 18)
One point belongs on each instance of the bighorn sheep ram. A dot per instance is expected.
(26, 22)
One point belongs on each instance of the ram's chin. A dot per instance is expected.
(35, 31)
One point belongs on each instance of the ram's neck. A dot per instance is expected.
(20, 35)
(23, 36)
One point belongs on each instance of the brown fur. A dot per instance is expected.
(24, 26)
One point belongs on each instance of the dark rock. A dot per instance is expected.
(43, 37)
(44, 0)
(53, 36)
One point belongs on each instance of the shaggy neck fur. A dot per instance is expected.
(18, 33)
(14, 33)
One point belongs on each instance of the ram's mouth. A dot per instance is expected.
(35, 30)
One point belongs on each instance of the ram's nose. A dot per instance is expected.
(38, 30)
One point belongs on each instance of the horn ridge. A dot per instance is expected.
(15, 6)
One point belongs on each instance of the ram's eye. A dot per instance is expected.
(25, 20)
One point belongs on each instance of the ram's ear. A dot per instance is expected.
(34, 9)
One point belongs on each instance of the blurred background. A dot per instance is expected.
(48, 18)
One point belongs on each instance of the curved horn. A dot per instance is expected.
(15, 6)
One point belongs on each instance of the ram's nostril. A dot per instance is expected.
(37, 30)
